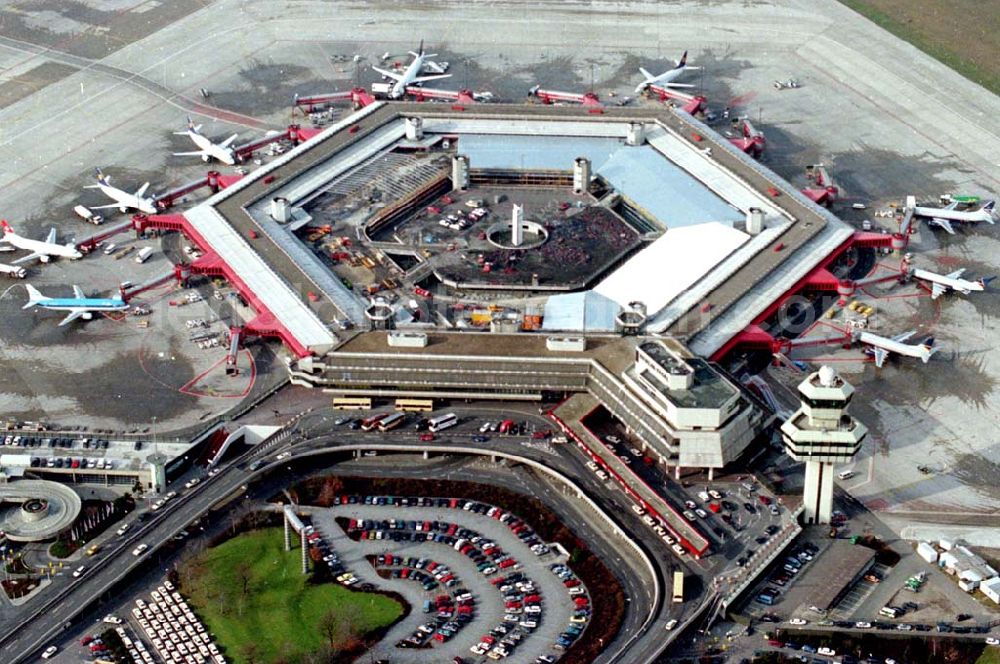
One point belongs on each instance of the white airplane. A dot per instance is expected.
(78, 306)
(43, 251)
(666, 79)
(209, 150)
(411, 75)
(942, 283)
(944, 216)
(881, 347)
(123, 200)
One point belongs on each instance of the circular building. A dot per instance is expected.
(36, 510)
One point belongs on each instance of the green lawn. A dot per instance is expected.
(279, 612)
(990, 656)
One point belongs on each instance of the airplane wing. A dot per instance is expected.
(880, 355)
(105, 207)
(904, 336)
(142, 190)
(73, 315)
(937, 290)
(671, 84)
(226, 143)
(646, 74)
(943, 223)
(422, 79)
(78, 293)
(51, 239)
(195, 153)
(956, 274)
(391, 74)
(434, 67)
(29, 257)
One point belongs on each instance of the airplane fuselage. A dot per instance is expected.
(919, 351)
(398, 88)
(956, 284)
(953, 215)
(126, 200)
(86, 304)
(225, 155)
(45, 249)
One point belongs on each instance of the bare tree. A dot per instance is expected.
(251, 653)
(244, 575)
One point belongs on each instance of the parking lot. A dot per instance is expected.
(496, 602)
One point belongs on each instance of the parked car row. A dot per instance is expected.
(328, 556)
(581, 611)
(522, 615)
(35, 441)
(451, 611)
(784, 575)
(177, 635)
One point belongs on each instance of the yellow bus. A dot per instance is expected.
(678, 587)
(414, 405)
(352, 403)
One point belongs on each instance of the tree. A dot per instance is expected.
(251, 653)
(332, 487)
(337, 627)
(244, 575)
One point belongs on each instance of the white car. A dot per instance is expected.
(485, 427)
(863, 625)
(123, 529)
(826, 652)
(51, 650)
(992, 641)
(78, 572)
(112, 619)
(191, 483)
(670, 624)
(283, 455)
(138, 551)
(798, 621)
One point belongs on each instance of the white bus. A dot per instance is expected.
(442, 423)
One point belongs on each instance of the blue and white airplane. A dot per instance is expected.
(78, 306)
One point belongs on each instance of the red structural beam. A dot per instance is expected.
(820, 276)
(697, 550)
(209, 263)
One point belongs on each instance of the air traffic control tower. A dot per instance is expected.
(821, 434)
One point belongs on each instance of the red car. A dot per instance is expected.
(426, 437)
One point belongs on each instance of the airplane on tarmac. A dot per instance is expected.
(944, 216)
(411, 75)
(943, 283)
(43, 251)
(666, 79)
(881, 347)
(78, 306)
(220, 151)
(123, 200)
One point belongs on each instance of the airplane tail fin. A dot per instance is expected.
(985, 281)
(683, 61)
(990, 210)
(34, 296)
(927, 349)
(7, 230)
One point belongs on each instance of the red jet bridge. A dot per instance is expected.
(554, 96)
(824, 191)
(359, 98)
(820, 278)
(752, 141)
(689, 103)
(458, 96)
